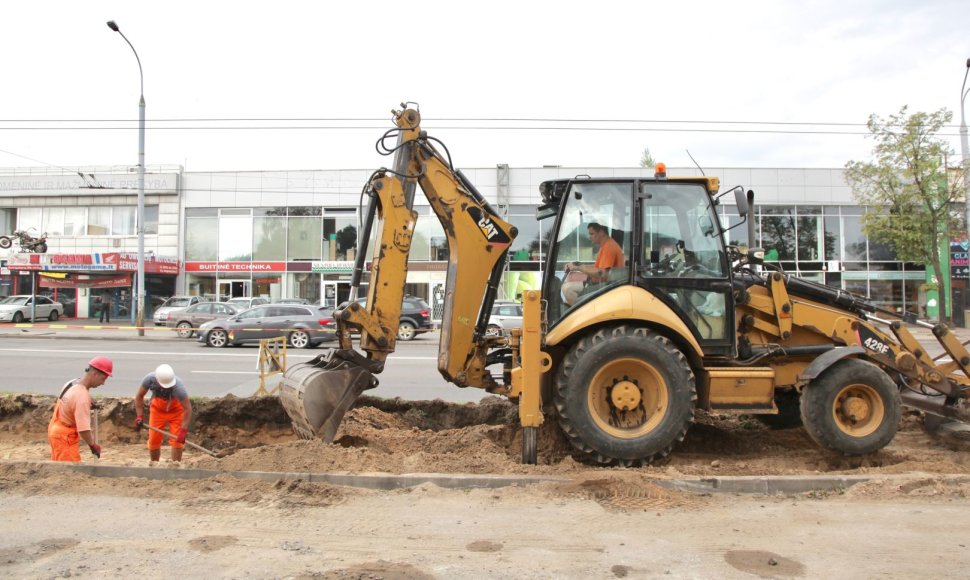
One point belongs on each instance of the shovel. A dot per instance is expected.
(189, 443)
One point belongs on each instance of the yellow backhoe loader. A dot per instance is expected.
(682, 321)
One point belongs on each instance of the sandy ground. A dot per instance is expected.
(604, 523)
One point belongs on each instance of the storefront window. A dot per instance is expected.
(439, 243)
(832, 237)
(151, 219)
(420, 241)
(303, 285)
(778, 233)
(8, 220)
(201, 239)
(808, 230)
(304, 238)
(853, 239)
(340, 236)
(123, 221)
(202, 285)
(99, 221)
(269, 239)
(75, 221)
(30, 217)
(54, 221)
(525, 247)
(235, 236)
(268, 286)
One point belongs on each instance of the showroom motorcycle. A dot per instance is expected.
(27, 242)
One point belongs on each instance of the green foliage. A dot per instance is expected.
(906, 187)
(646, 160)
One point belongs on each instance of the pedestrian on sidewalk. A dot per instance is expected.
(71, 420)
(105, 315)
(170, 407)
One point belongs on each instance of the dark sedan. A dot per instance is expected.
(304, 326)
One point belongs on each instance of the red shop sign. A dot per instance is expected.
(235, 266)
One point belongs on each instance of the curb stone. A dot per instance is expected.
(746, 485)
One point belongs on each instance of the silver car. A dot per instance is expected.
(19, 307)
(173, 303)
(504, 317)
(246, 303)
(186, 320)
(304, 326)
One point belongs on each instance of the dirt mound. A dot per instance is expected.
(381, 435)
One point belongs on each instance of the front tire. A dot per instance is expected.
(406, 331)
(299, 339)
(217, 338)
(5, 242)
(52, 316)
(853, 408)
(625, 396)
(184, 329)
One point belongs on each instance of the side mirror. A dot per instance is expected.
(741, 201)
(706, 226)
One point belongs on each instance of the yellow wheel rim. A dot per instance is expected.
(628, 398)
(858, 410)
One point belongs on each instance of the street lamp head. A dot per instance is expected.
(968, 63)
(113, 26)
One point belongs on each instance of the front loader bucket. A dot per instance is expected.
(316, 394)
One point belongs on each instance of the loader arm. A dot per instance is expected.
(478, 240)
(317, 395)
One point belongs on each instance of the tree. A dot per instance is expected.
(906, 188)
(646, 160)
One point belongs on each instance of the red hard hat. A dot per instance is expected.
(101, 363)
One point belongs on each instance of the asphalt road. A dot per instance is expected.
(41, 366)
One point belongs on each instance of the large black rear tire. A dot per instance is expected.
(625, 396)
(853, 408)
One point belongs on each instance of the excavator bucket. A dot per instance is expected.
(316, 394)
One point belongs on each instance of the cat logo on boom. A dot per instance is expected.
(493, 235)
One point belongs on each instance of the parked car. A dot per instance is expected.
(415, 317)
(504, 316)
(173, 303)
(304, 326)
(293, 301)
(20, 306)
(242, 303)
(186, 320)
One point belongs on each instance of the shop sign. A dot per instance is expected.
(332, 266)
(63, 262)
(116, 281)
(235, 266)
(153, 264)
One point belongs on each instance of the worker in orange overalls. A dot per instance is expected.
(72, 413)
(170, 407)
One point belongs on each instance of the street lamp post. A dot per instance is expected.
(140, 295)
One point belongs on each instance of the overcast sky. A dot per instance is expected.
(593, 82)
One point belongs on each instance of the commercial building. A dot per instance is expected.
(284, 234)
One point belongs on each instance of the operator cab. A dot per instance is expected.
(671, 242)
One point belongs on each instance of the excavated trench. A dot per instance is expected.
(381, 435)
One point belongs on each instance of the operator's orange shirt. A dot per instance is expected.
(610, 255)
(75, 408)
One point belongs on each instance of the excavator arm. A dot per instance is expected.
(317, 395)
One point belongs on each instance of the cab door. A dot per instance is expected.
(683, 260)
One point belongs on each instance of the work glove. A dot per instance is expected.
(95, 449)
(182, 433)
(139, 422)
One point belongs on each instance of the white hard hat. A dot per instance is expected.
(165, 376)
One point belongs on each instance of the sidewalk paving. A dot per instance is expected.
(86, 329)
